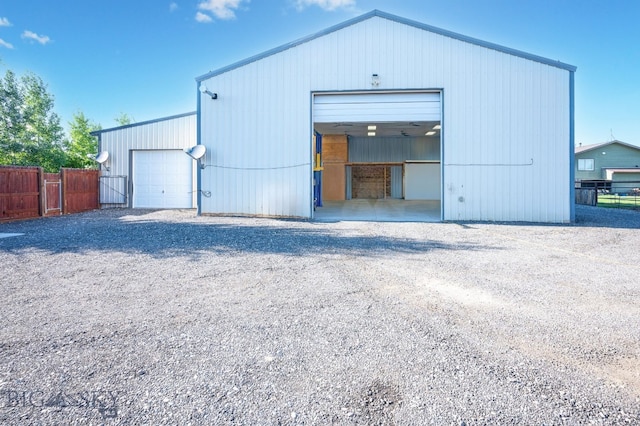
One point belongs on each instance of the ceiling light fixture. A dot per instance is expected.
(372, 127)
(430, 133)
(437, 127)
(371, 133)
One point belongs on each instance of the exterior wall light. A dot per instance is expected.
(203, 89)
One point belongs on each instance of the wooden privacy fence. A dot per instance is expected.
(80, 190)
(587, 196)
(20, 192)
(28, 192)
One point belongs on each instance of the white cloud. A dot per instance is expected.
(173, 6)
(222, 9)
(325, 4)
(4, 22)
(201, 17)
(5, 44)
(35, 37)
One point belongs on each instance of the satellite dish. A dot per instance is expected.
(196, 152)
(102, 157)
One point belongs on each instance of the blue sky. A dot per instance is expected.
(141, 57)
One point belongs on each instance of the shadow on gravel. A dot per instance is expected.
(96, 231)
(586, 217)
(602, 217)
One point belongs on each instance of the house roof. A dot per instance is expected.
(585, 148)
(142, 123)
(415, 24)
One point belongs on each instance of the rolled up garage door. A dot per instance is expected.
(376, 107)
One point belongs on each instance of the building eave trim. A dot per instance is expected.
(142, 123)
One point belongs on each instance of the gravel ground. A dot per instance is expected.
(162, 317)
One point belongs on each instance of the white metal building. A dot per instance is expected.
(488, 130)
(146, 166)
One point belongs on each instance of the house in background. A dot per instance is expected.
(612, 162)
(603, 160)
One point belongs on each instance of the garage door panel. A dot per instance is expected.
(162, 179)
(387, 107)
(397, 97)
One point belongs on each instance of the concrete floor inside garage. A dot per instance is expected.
(379, 210)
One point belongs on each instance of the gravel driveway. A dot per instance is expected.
(162, 317)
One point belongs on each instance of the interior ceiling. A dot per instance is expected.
(396, 129)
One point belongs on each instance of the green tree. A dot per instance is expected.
(30, 132)
(124, 119)
(11, 119)
(44, 135)
(81, 143)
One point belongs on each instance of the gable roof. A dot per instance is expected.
(398, 19)
(585, 148)
(142, 123)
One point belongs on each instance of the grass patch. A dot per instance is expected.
(618, 201)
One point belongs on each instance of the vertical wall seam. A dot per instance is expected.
(198, 142)
(572, 190)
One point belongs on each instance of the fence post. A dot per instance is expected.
(63, 190)
(42, 196)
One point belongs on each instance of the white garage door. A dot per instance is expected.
(376, 107)
(162, 179)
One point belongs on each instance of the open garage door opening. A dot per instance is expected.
(378, 156)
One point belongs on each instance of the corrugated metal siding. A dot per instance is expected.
(506, 158)
(393, 149)
(506, 122)
(173, 133)
(113, 190)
